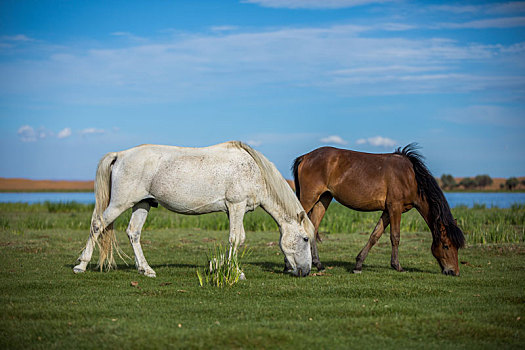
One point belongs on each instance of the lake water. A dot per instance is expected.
(497, 199)
(501, 200)
(39, 197)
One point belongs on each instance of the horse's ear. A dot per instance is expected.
(302, 216)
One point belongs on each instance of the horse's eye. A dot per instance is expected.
(445, 246)
(305, 239)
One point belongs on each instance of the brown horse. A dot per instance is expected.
(393, 183)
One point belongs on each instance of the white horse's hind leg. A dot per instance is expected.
(97, 227)
(85, 257)
(237, 235)
(138, 218)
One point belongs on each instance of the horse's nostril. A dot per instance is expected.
(449, 272)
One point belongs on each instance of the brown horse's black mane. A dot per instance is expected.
(429, 189)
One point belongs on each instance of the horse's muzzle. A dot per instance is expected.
(302, 272)
(450, 272)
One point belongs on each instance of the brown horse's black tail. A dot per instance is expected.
(428, 188)
(295, 171)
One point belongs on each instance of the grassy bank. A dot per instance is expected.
(44, 305)
(481, 225)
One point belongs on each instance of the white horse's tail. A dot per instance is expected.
(103, 235)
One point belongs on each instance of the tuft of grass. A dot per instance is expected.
(222, 270)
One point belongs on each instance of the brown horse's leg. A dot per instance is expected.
(395, 231)
(374, 237)
(316, 215)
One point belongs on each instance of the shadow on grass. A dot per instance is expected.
(386, 267)
(347, 265)
(274, 267)
(124, 267)
(182, 266)
(267, 266)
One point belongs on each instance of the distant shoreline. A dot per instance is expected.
(45, 191)
(27, 185)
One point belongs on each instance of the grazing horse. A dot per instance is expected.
(393, 183)
(230, 177)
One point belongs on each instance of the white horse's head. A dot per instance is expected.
(296, 237)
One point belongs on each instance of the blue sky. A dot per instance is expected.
(82, 78)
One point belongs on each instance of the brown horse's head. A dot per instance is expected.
(445, 251)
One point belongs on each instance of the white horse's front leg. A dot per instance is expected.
(237, 235)
(138, 218)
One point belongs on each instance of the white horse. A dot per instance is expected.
(230, 177)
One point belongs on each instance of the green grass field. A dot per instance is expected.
(44, 305)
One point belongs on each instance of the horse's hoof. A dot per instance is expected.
(398, 268)
(357, 271)
(242, 277)
(149, 273)
(77, 269)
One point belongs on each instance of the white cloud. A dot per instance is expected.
(18, 37)
(313, 4)
(11, 41)
(387, 70)
(129, 36)
(91, 131)
(254, 143)
(491, 8)
(121, 34)
(334, 139)
(223, 28)
(66, 132)
(395, 27)
(343, 59)
(486, 115)
(378, 141)
(504, 22)
(27, 134)
(511, 7)
(43, 133)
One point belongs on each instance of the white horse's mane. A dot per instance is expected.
(277, 188)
